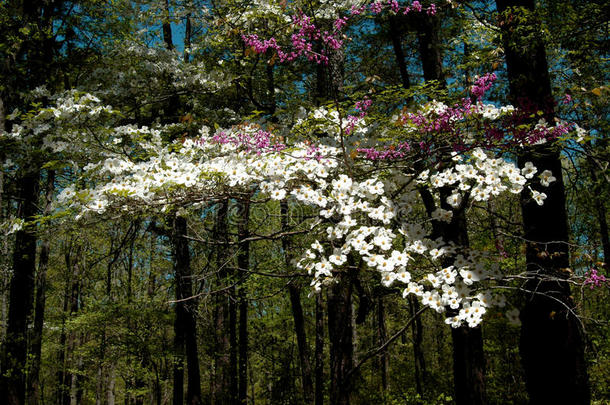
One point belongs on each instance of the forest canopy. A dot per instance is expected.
(304, 202)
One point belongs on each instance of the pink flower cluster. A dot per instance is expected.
(360, 107)
(594, 279)
(510, 130)
(259, 142)
(378, 6)
(302, 40)
(482, 84)
(388, 153)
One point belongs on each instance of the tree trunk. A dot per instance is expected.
(185, 324)
(221, 383)
(14, 354)
(167, 27)
(468, 355)
(67, 340)
(399, 55)
(33, 386)
(417, 328)
(319, 352)
(294, 293)
(382, 337)
(600, 213)
(243, 262)
(233, 383)
(552, 348)
(340, 336)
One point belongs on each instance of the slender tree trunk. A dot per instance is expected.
(33, 386)
(185, 325)
(243, 347)
(67, 340)
(340, 336)
(600, 213)
(468, 354)
(399, 55)
(243, 262)
(319, 352)
(417, 328)
(552, 348)
(167, 27)
(221, 384)
(419, 362)
(233, 383)
(382, 337)
(339, 304)
(61, 357)
(110, 396)
(14, 354)
(294, 293)
(188, 30)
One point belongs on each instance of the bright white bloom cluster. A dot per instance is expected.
(362, 218)
(62, 123)
(491, 112)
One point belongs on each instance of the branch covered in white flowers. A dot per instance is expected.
(366, 212)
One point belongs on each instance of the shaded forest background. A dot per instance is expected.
(208, 307)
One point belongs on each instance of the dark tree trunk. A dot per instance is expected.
(33, 386)
(552, 348)
(340, 336)
(339, 304)
(243, 347)
(221, 384)
(185, 324)
(417, 327)
(188, 30)
(399, 55)
(233, 383)
(382, 337)
(61, 356)
(167, 28)
(319, 352)
(67, 341)
(243, 262)
(600, 213)
(468, 354)
(419, 362)
(14, 354)
(297, 315)
(428, 31)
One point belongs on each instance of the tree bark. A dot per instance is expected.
(552, 348)
(340, 336)
(294, 293)
(600, 213)
(468, 354)
(319, 353)
(243, 262)
(185, 324)
(221, 384)
(382, 337)
(14, 354)
(33, 385)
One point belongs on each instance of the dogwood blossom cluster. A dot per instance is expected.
(361, 221)
(64, 126)
(365, 215)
